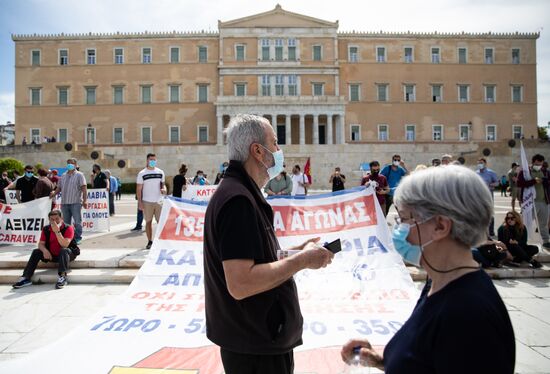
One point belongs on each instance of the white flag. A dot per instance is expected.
(528, 201)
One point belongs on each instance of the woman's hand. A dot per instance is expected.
(368, 356)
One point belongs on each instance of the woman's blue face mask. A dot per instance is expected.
(411, 253)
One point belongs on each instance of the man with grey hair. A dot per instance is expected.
(251, 301)
(74, 196)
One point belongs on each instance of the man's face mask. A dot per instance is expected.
(278, 163)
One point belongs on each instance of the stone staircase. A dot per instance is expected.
(97, 266)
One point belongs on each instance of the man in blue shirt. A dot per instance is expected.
(113, 187)
(491, 180)
(393, 173)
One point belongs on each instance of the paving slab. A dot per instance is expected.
(533, 331)
(529, 361)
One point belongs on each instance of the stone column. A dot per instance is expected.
(342, 129)
(302, 129)
(274, 122)
(219, 134)
(288, 130)
(315, 129)
(329, 128)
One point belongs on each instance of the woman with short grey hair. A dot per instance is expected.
(459, 324)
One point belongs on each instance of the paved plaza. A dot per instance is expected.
(35, 316)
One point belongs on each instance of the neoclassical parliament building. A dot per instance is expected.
(316, 84)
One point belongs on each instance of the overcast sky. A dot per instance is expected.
(70, 16)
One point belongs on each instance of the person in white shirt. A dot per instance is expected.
(299, 182)
(149, 190)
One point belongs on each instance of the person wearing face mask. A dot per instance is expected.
(393, 172)
(459, 321)
(220, 175)
(251, 300)
(300, 182)
(280, 185)
(540, 179)
(380, 184)
(25, 185)
(179, 182)
(149, 190)
(99, 178)
(74, 196)
(490, 178)
(200, 179)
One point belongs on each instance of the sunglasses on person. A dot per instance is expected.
(510, 218)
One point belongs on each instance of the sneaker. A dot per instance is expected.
(61, 282)
(149, 244)
(546, 245)
(535, 264)
(136, 229)
(22, 282)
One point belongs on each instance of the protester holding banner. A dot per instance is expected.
(460, 324)
(540, 180)
(74, 196)
(99, 178)
(149, 190)
(25, 185)
(179, 181)
(53, 246)
(380, 184)
(251, 301)
(300, 182)
(44, 186)
(200, 179)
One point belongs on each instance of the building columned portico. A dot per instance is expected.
(319, 120)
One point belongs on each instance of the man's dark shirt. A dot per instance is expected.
(178, 182)
(3, 184)
(26, 185)
(100, 180)
(338, 182)
(239, 225)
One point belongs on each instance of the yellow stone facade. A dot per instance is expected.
(320, 85)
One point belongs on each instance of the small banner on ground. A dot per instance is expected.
(95, 218)
(159, 324)
(21, 224)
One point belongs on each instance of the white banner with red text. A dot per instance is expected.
(159, 324)
(95, 217)
(198, 193)
(21, 224)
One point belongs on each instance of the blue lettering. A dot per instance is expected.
(188, 258)
(375, 245)
(172, 279)
(166, 256)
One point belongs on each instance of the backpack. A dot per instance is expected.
(72, 245)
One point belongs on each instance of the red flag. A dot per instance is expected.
(307, 171)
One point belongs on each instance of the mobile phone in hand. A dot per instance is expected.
(334, 247)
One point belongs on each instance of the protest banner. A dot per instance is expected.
(21, 224)
(95, 218)
(159, 323)
(11, 197)
(198, 193)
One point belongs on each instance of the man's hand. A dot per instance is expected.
(54, 226)
(303, 245)
(314, 256)
(47, 255)
(85, 205)
(140, 205)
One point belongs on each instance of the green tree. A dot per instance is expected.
(543, 134)
(10, 164)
